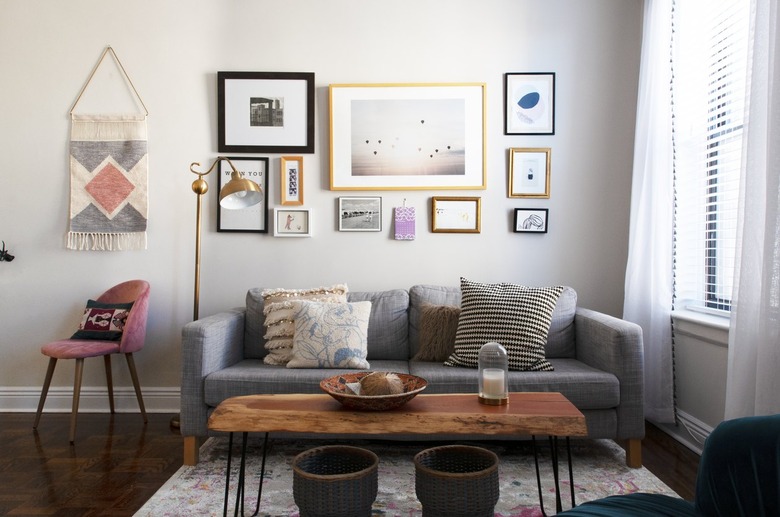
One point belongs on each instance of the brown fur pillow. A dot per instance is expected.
(438, 324)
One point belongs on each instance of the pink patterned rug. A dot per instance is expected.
(599, 471)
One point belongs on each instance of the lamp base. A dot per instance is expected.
(493, 401)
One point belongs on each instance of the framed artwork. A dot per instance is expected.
(292, 222)
(529, 103)
(456, 214)
(291, 184)
(360, 214)
(268, 112)
(529, 172)
(252, 219)
(530, 220)
(407, 136)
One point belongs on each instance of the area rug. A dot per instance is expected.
(599, 471)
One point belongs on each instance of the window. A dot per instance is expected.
(709, 93)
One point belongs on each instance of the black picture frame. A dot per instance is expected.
(252, 219)
(531, 220)
(529, 103)
(265, 112)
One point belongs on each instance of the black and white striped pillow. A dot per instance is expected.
(516, 316)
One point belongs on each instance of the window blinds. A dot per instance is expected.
(709, 91)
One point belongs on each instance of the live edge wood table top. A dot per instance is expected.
(528, 413)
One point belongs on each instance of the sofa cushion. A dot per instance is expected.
(438, 325)
(421, 295)
(388, 324)
(103, 321)
(254, 342)
(330, 335)
(516, 316)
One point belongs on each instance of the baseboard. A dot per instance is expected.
(92, 400)
(690, 432)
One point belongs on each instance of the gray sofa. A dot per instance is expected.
(597, 360)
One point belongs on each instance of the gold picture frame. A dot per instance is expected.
(452, 214)
(291, 180)
(529, 172)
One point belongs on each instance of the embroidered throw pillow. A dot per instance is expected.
(438, 324)
(516, 316)
(105, 321)
(330, 335)
(279, 323)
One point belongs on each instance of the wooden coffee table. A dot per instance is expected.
(529, 413)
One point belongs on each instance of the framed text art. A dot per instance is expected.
(268, 112)
(531, 220)
(291, 184)
(456, 214)
(407, 136)
(252, 219)
(529, 103)
(360, 214)
(529, 172)
(292, 222)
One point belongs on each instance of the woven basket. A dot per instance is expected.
(456, 480)
(335, 481)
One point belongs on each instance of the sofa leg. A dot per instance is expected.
(633, 448)
(191, 450)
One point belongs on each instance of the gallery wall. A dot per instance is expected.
(172, 51)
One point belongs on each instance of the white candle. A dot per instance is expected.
(493, 383)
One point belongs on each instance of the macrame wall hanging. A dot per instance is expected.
(109, 202)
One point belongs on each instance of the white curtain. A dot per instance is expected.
(648, 286)
(753, 383)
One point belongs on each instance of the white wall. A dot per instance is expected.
(172, 51)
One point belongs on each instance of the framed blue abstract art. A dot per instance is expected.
(529, 103)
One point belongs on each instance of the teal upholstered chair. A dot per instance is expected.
(739, 475)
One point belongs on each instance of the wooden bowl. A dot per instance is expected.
(337, 387)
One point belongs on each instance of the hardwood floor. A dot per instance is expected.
(117, 463)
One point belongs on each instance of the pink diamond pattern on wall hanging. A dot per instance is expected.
(109, 188)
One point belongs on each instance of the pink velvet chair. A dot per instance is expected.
(131, 340)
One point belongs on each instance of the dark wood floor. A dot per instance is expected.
(117, 463)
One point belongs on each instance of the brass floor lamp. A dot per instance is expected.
(238, 193)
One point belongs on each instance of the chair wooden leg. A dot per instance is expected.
(76, 395)
(45, 390)
(136, 384)
(109, 382)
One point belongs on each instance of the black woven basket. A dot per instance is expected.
(335, 481)
(457, 480)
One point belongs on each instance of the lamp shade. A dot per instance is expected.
(240, 193)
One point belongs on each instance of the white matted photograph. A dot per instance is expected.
(292, 222)
(360, 214)
(529, 172)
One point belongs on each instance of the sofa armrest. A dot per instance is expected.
(615, 346)
(208, 345)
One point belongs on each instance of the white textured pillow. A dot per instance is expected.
(330, 335)
(279, 323)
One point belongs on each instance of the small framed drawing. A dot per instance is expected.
(529, 172)
(265, 112)
(530, 220)
(252, 219)
(292, 222)
(360, 214)
(456, 214)
(291, 170)
(529, 103)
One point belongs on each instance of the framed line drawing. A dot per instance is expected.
(531, 220)
(292, 222)
(456, 214)
(268, 112)
(529, 172)
(252, 219)
(529, 103)
(360, 214)
(291, 184)
(407, 136)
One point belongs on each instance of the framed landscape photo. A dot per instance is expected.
(360, 214)
(268, 112)
(456, 214)
(254, 218)
(407, 136)
(530, 220)
(292, 222)
(291, 184)
(529, 172)
(529, 103)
